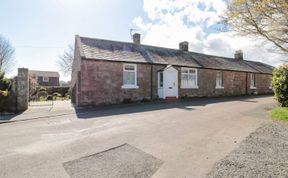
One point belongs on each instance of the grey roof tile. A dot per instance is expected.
(128, 52)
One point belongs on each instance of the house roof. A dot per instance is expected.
(44, 73)
(99, 49)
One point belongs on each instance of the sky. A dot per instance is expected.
(41, 30)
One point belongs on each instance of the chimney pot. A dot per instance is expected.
(238, 55)
(184, 46)
(136, 38)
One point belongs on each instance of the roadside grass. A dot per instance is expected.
(280, 113)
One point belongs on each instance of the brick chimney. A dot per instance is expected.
(136, 38)
(238, 55)
(183, 46)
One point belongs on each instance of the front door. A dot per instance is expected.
(170, 82)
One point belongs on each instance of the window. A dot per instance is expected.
(45, 79)
(189, 78)
(271, 85)
(219, 80)
(252, 81)
(160, 79)
(129, 76)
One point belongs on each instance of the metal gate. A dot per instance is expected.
(39, 96)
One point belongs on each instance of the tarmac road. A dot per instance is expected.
(184, 138)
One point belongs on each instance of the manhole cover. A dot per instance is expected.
(122, 161)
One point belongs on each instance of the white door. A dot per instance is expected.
(160, 85)
(170, 82)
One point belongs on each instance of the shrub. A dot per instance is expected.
(5, 84)
(49, 98)
(42, 94)
(57, 94)
(280, 84)
(4, 93)
(42, 89)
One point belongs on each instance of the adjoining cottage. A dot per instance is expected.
(109, 72)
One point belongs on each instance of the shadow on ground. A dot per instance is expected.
(186, 104)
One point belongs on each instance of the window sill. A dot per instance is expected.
(129, 86)
(252, 87)
(194, 87)
(219, 87)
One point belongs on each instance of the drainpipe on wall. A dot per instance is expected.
(151, 84)
(246, 87)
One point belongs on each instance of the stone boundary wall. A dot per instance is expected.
(17, 99)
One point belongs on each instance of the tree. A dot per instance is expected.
(65, 61)
(267, 19)
(5, 84)
(280, 84)
(6, 55)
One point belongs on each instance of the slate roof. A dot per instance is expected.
(99, 49)
(44, 73)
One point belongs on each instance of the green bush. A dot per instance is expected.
(42, 95)
(5, 84)
(280, 84)
(7, 98)
(57, 94)
(42, 89)
(4, 93)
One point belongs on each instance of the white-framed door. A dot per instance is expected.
(160, 84)
(168, 83)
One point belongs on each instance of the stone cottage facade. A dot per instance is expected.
(109, 72)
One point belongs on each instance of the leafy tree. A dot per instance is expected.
(6, 55)
(65, 61)
(267, 19)
(5, 84)
(280, 84)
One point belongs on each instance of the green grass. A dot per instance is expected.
(280, 113)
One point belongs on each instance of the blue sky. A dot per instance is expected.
(40, 30)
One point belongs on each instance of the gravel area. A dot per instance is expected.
(264, 153)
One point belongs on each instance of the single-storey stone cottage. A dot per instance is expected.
(108, 72)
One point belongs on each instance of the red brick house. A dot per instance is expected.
(108, 72)
(44, 78)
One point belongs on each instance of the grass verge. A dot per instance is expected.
(280, 113)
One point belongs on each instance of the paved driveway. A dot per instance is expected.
(186, 138)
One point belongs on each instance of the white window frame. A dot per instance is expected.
(252, 81)
(45, 79)
(127, 86)
(271, 85)
(196, 76)
(221, 86)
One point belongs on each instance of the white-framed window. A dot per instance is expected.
(271, 85)
(45, 79)
(252, 81)
(219, 80)
(129, 76)
(189, 78)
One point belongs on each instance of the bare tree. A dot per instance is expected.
(267, 19)
(6, 55)
(65, 61)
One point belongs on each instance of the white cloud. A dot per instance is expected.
(171, 22)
